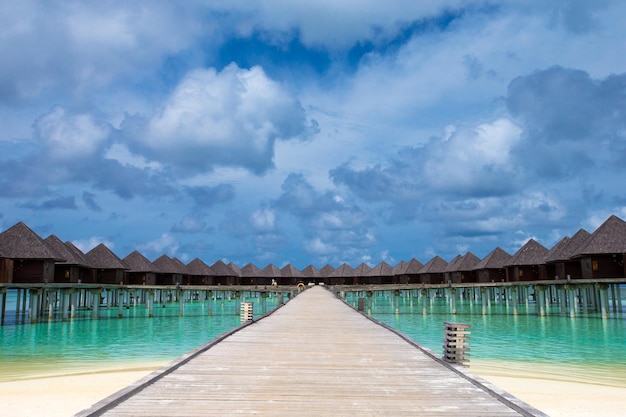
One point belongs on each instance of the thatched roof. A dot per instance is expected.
(181, 267)
(235, 269)
(453, 264)
(344, 270)
(165, 265)
(494, 260)
(436, 265)
(136, 262)
(532, 253)
(326, 270)
(102, 257)
(311, 272)
(383, 269)
(468, 262)
(77, 253)
(220, 269)
(361, 270)
(251, 270)
(553, 254)
(290, 271)
(414, 267)
(272, 271)
(71, 257)
(400, 268)
(20, 242)
(198, 268)
(608, 238)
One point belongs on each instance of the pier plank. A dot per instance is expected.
(315, 356)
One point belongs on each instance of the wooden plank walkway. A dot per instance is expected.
(315, 356)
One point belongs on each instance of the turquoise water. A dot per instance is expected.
(586, 344)
(83, 345)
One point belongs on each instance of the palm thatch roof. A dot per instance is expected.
(383, 269)
(400, 268)
(101, 257)
(181, 267)
(494, 260)
(362, 270)
(136, 262)
(272, 271)
(468, 262)
(553, 254)
(20, 242)
(414, 267)
(252, 271)
(311, 272)
(220, 269)
(453, 264)
(326, 270)
(71, 257)
(198, 268)
(532, 253)
(165, 265)
(77, 253)
(235, 269)
(290, 271)
(344, 270)
(436, 265)
(608, 238)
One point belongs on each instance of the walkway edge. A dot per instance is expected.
(113, 400)
(496, 392)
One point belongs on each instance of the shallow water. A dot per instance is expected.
(83, 345)
(585, 348)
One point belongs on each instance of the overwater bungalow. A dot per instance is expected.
(325, 271)
(559, 262)
(603, 253)
(169, 271)
(273, 272)
(341, 275)
(182, 270)
(434, 271)
(75, 267)
(463, 270)
(224, 275)
(380, 274)
(107, 267)
(411, 273)
(236, 270)
(398, 271)
(199, 273)
(312, 275)
(25, 257)
(359, 274)
(253, 275)
(292, 274)
(527, 264)
(450, 268)
(140, 270)
(491, 268)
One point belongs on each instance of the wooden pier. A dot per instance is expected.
(315, 356)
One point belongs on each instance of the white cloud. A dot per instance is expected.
(263, 219)
(165, 243)
(85, 245)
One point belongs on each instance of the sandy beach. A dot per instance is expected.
(65, 395)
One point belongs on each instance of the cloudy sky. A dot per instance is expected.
(312, 132)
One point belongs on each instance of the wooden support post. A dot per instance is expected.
(180, 294)
(3, 305)
(396, 300)
(614, 297)
(604, 300)
(73, 298)
(619, 297)
(150, 302)
(452, 293)
(571, 301)
(120, 303)
(95, 309)
(484, 296)
(540, 296)
(514, 300)
(424, 301)
(34, 305)
(209, 299)
(65, 304)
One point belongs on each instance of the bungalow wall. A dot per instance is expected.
(603, 266)
(32, 271)
(460, 277)
(492, 275)
(71, 273)
(224, 280)
(141, 278)
(434, 278)
(109, 276)
(6, 270)
(522, 273)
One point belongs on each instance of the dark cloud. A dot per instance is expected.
(90, 201)
(205, 196)
(60, 203)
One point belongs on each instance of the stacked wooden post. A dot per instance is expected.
(456, 343)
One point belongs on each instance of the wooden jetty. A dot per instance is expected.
(315, 356)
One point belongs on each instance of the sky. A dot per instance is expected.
(312, 132)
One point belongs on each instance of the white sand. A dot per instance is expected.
(64, 396)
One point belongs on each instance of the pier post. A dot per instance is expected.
(34, 305)
(150, 302)
(120, 303)
(396, 300)
(571, 299)
(514, 300)
(181, 302)
(95, 310)
(452, 292)
(263, 302)
(484, 298)
(3, 304)
(424, 297)
(619, 298)
(209, 299)
(73, 297)
(614, 297)
(604, 300)
(540, 298)
(65, 304)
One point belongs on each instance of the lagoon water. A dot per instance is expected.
(585, 348)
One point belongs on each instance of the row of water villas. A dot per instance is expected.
(583, 270)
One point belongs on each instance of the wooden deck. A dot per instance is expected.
(315, 356)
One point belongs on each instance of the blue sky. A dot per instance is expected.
(312, 132)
